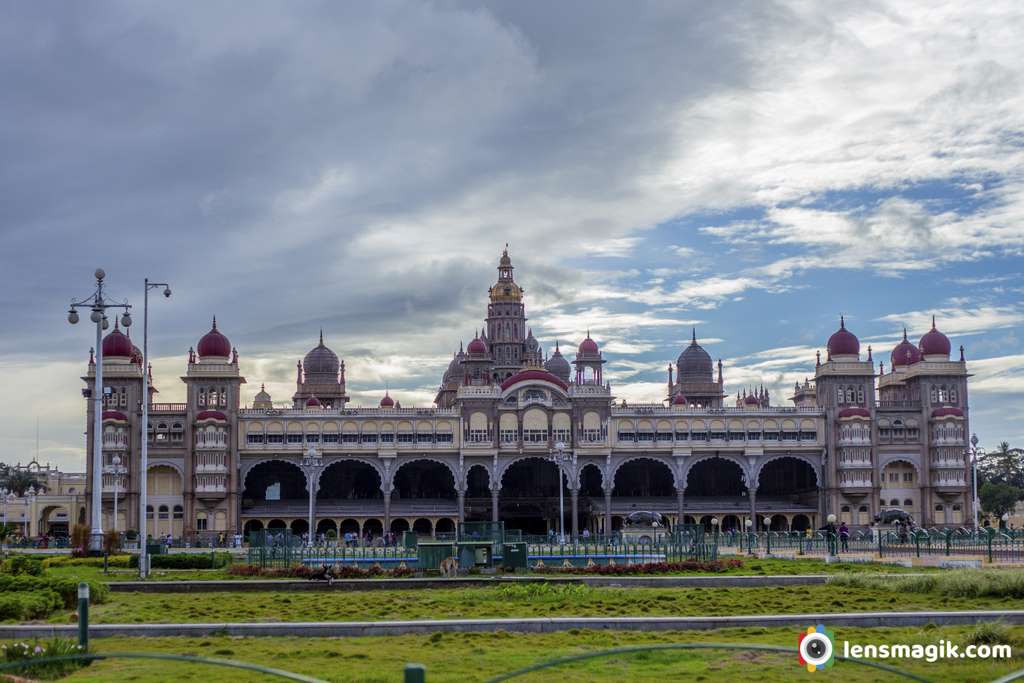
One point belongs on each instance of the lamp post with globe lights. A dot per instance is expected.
(312, 465)
(560, 458)
(116, 469)
(975, 452)
(144, 426)
(98, 305)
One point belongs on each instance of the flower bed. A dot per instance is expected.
(713, 566)
(338, 571)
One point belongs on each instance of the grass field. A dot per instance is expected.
(524, 600)
(471, 657)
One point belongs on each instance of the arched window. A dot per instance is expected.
(894, 502)
(908, 503)
(845, 508)
(179, 512)
(952, 396)
(938, 507)
(201, 399)
(163, 512)
(149, 512)
(201, 524)
(862, 508)
(934, 395)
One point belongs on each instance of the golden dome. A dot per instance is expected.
(505, 291)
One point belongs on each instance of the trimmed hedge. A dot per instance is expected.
(648, 568)
(23, 564)
(67, 589)
(114, 561)
(30, 605)
(186, 561)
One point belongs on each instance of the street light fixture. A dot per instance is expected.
(560, 458)
(312, 463)
(144, 426)
(116, 469)
(975, 452)
(97, 306)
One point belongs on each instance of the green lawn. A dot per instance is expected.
(525, 600)
(470, 657)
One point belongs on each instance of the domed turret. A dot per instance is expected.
(321, 364)
(312, 402)
(588, 347)
(214, 346)
(262, 400)
(679, 400)
(905, 353)
(477, 347)
(117, 346)
(558, 366)
(387, 401)
(694, 364)
(935, 344)
(843, 342)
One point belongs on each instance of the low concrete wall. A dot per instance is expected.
(257, 585)
(535, 625)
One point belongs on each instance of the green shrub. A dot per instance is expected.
(36, 650)
(66, 588)
(545, 592)
(114, 561)
(28, 605)
(23, 564)
(967, 583)
(186, 561)
(990, 633)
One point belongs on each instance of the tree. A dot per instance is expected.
(1003, 466)
(998, 498)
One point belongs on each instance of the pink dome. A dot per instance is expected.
(313, 402)
(539, 375)
(387, 401)
(214, 344)
(117, 344)
(477, 347)
(935, 343)
(211, 415)
(854, 412)
(679, 400)
(905, 353)
(751, 400)
(588, 347)
(114, 415)
(843, 342)
(948, 411)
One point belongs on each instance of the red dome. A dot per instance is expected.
(387, 401)
(843, 342)
(526, 375)
(214, 344)
(117, 344)
(948, 411)
(854, 412)
(905, 353)
(934, 342)
(114, 415)
(313, 402)
(679, 400)
(751, 400)
(211, 415)
(136, 355)
(588, 346)
(477, 347)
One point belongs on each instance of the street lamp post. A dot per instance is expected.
(30, 522)
(7, 496)
(98, 306)
(560, 458)
(975, 453)
(312, 463)
(144, 450)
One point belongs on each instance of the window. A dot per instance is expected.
(862, 508)
(682, 436)
(201, 521)
(443, 437)
(295, 438)
(660, 436)
(254, 438)
(753, 436)
(275, 438)
(645, 436)
(179, 512)
(163, 512)
(938, 507)
(350, 437)
(771, 436)
(406, 437)
(808, 436)
(718, 436)
(149, 512)
(330, 438)
(908, 503)
(535, 436)
(368, 438)
(894, 502)
(845, 508)
(627, 436)
(700, 436)
(387, 438)
(509, 435)
(312, 438)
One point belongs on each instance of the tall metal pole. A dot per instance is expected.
(96, 537)
(114, 525)
(974, 482)
(144, 449)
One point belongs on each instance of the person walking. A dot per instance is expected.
(844, 537)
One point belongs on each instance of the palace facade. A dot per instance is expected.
(857, 440)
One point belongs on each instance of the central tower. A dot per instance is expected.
(506, 322)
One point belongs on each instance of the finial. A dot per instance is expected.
(263, 387)
(693, 338)
(92, 357)
(842, 321)
(869, 353)
(556, 347)
(961, 352)
(588, 333)
(933, 321)
(214, 322)
(321, 336)
(817, 355)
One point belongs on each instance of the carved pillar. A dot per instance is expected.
(575, 493)
(679, 507)
(387, 509)
(494, 504)
(462, 507)
(753, 508)
(608, 512)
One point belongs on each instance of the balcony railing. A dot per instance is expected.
(899, 404)
(211, 441)
(168, 407)
(115, 441)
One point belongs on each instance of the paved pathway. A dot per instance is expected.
(530, 625)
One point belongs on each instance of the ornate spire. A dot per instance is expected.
(693, 337)
(842, 321)
(214, 322)
(321, 336)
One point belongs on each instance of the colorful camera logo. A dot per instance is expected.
(815, 648)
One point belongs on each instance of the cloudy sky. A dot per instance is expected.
(753, 169)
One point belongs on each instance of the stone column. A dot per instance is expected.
(462, 507)
(679, 506)
(608, 512)
(575, 493)
(494, 505)
(387, 511)
(753, 508)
